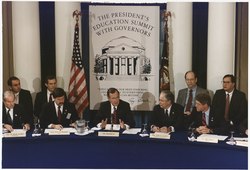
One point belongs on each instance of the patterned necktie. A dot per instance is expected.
(189, 102)
(226, 115)
(204, 120)
(9, 120)
(114, 116)
(59, 114)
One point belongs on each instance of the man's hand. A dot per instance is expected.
(104, 123)
(155, 129)
(187, 113)
(165, 129)
(26, 127)
(203, 130)
(58, 126)
(8, 127)
(122, 125)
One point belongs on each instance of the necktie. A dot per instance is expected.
(50, 97)
(226, 116)
(114, 116)
(166, 112)
(59, 114)
(9, 120)
(204, 120)
(189, 102)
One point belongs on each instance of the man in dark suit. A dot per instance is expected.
(45, 96)
(186, 96)
(59, 113)
(230, 106)
(22, 97)
(167, 116)
(13, 116)
(202, 115)
(114, 111)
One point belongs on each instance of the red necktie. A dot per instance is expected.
(204, 120)
(114, 116)
(190, 99)
(227, 108)
(59, 114)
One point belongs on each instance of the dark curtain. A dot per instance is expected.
(200, 29)
(47, 40)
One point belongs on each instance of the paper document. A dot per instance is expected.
(132, 131)
(115, 127)
(240, 139)
(212, 136)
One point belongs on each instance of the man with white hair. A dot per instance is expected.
(13, 116)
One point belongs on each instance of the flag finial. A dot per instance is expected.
(76, 14)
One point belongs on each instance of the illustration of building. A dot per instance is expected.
(122, 58)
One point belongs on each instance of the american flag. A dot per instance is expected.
(77, 85)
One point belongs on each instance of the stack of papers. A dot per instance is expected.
(132, 131)
(115, 127)
(210, 138)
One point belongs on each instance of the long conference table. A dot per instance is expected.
(126, 152)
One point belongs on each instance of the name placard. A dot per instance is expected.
(14, 134)
(109, 134)
(160, 135)
(242, 143)
(59, 132)
(207, 139)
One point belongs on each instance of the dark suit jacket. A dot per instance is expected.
(25, 100)
(48, 115)
(182, 95)
(237, 110)
(123, 113)
(160, 119)
(19, 118)
(41, 99)
(196, 118)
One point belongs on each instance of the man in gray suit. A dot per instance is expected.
(186, 96)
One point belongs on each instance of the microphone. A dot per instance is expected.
(190, 126)
(111, 121)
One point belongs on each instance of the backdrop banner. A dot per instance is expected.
(124, 53)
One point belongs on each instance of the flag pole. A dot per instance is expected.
(164, 71)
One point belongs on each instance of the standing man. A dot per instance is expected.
(115, 110)
(59, 113)
(186, 96)
(45, 96)
(167, 116)
(22, 97)
(13, 116)
(230, 106)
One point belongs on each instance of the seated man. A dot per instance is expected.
(202, 117)
(59, 113)
(167, 116)
(13, 116)
(114, 111)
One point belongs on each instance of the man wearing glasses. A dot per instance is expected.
(230, 107)
(186, 96)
